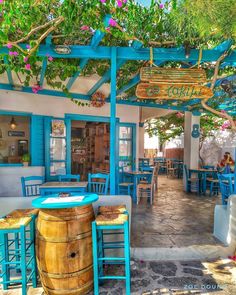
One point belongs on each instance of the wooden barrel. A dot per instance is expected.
(64, 250)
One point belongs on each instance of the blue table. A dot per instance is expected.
(88, 199)
(53, 187)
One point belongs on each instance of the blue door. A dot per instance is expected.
(57, 147)
(127, 146)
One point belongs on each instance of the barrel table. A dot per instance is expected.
(64, 244)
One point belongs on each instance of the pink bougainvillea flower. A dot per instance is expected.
(108, 29)
(112, 22)
(50, 58)
(161, 6)
(36, 88)
(1, 1)
(9, 45)
(13, 53)
(223, 111)
(179, 115)
(25, 59)
(226, 125)
(85, 28)
(103, 1)
(28, 46)
(27, 66)
(119, 3)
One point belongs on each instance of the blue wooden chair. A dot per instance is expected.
(226, 186)
(208, 167)
(30, 185)
(108, 225)
(69, 177)
(125, 185)
(98, 183)
(212, 182)
(191, 182)
(15, 255)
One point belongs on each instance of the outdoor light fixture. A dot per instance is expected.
(227, 86)
(13, 123)
(62, 49)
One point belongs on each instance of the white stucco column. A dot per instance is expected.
(141, 140)
(191, 140)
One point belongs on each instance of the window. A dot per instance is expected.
(14, 138)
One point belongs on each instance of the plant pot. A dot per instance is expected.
(25, 164)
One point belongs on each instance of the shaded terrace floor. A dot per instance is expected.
(176, 219)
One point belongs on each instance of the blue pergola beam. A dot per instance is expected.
(106, 77)
(129, 53)
(134, 81)
(97, 37)
(43, 71)
(9, 74)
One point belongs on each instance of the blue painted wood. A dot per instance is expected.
(43, 70)
(97, 37)
(47, 131)
(69, 177)
(98, 183)
(18, 256)
(101, 258)
(56, 190)
(88, 118)
(88, 199)
(106, 77)
(30, 185)
(134, 81)
(226, 186)
(113, 127)
(37, 147)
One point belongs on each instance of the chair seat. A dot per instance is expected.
(126, 184)
(111, 219)
(213, 180)
(14, 223)
(112, 209)
(193, 179)
(22, 213)
(144, 186)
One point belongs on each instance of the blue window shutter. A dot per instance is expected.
(37, 140)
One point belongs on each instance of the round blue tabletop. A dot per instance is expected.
(50, 201)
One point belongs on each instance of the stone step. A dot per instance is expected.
(184, 253)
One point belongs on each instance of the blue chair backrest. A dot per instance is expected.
(98, 183)
(69, 177)
(226, 185)
(30, 185)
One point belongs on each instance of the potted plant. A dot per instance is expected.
(26, 159)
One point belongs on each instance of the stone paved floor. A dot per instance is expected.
(166, 278)
(176, 219)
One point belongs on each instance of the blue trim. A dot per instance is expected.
(68, 145)
(89, 118)
(113, 123)
(11, 165)
(14, 113)
(47, 131)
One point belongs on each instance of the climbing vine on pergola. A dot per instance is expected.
(202, 24)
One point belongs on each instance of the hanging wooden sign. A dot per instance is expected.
(173, 75)
(172, 91)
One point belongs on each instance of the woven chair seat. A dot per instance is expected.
(14, 223)
(144, 186)
(213, 180)
(193, 179)
(108, 219)
(117, 209)
(126, 184)
(23, 213)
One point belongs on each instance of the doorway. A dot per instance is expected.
(90, 148)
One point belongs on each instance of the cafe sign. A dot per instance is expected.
(172, 91)
(172, 75)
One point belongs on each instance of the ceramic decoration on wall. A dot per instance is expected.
(195, 131)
